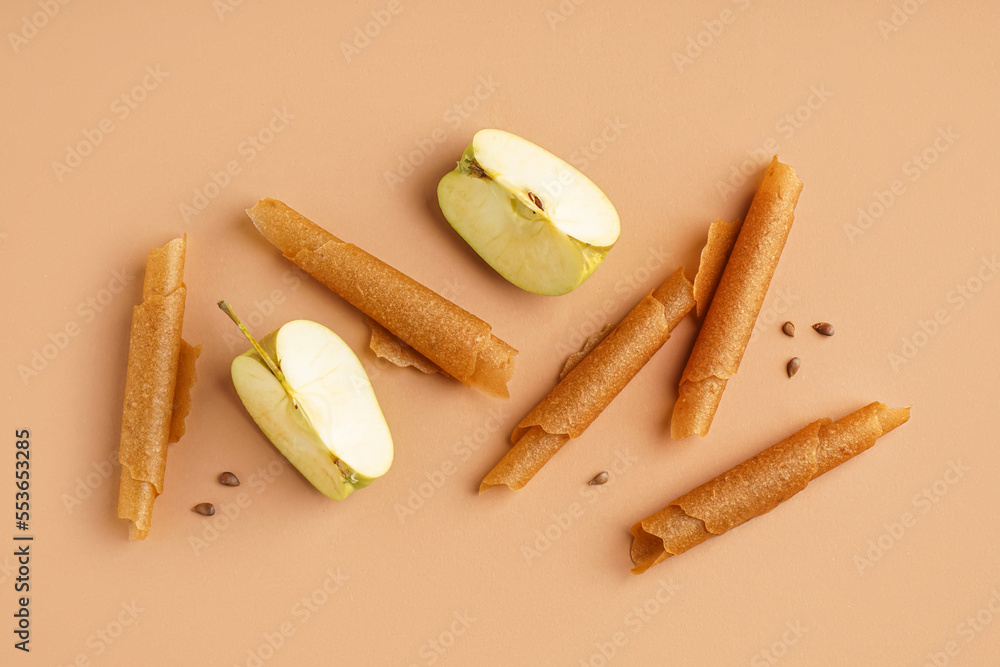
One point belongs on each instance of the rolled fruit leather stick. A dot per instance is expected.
(455, 341)
(737, 301)
(590, 386)
(158, 381)
(759, 484)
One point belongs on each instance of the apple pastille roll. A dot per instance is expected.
(450, 338)
(759, 484)
(590, 386)
(729, 322)
(721, 239)
(158, 382)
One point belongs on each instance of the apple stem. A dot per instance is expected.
(227, 309)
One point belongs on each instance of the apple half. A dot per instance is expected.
(309, 394)
(535, 219)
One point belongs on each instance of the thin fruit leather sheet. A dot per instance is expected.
(759, 484)
(451, 338)
(593, 382)
(157, 386)
(737, 300)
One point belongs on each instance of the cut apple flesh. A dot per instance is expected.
(522, 246)
(330, 427)
(568, 200)
(535, 219)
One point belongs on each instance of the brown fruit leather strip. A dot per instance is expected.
(576, 401)
(721, 239)
(733, 311)
(157, 384)
(456, 341)
(388, 347)
(759, 484)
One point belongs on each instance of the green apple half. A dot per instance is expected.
(311, 397)
(535, 219)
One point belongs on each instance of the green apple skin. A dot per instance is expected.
(294, 434)
(516, 237)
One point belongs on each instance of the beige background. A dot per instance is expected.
(888, 108)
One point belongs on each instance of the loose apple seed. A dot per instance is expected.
(788, 328)
(601, 478)
(229, 479)
(823, 328)
(205, 509)
(793, 366)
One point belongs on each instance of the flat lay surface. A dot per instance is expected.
(129, 124)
